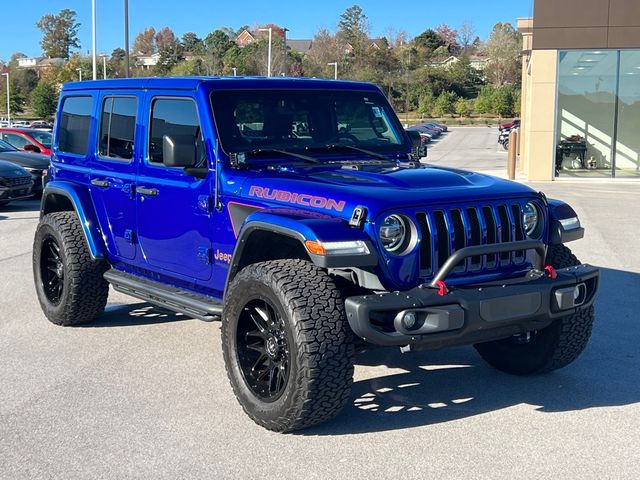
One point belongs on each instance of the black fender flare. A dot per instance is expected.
(80, 201)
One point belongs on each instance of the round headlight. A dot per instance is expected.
(530, 219)
(393, 232)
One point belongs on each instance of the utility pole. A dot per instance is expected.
(126, 38)
(93, 39)
(284, 59)
(8, 100)
(335, 69)
(270, 30)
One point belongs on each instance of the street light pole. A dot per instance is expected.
(335, 69)
(126, 38)
(8, 100)
(284, 60)
(235, 71)
(79, 70)
(93, 39)
(104, 66)
(270, 29)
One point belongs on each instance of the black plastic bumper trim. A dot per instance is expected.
(491, 310)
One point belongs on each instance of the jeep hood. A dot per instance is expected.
(378, 189)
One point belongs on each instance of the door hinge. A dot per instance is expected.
(204, 254)
(130, 236)
(205, 203)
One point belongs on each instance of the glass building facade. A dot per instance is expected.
(598, 105)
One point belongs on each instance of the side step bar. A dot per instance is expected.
(188, 303)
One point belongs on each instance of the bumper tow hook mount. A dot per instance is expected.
(442, 288)
(551, 272)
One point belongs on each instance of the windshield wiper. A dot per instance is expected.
(334, 146)
(271, 151)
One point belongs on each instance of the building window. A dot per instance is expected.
(598, 113)
(627, 151)
(75, 120)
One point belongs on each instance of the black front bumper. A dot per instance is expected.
(472, 313)
(18, 192)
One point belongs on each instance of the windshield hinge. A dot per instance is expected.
(358, 217)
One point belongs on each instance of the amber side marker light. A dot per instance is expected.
(353, 247)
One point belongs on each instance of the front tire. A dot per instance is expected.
(69, 282)
(287, 345)
(551, 348)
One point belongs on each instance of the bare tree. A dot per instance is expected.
(466, 36)
(503, 49)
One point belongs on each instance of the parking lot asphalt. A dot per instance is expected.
(143, 394)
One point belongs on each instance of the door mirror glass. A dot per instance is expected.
(179, 151)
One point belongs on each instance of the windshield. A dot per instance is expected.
(42, 137)
(5, 147)
(298, 120)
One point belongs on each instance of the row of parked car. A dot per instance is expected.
(24, 161)
(428, 131)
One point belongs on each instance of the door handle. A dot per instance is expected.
(147, 192)
(96, 182)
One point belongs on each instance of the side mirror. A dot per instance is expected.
(179, 151)
(31, 148)
(419, 149)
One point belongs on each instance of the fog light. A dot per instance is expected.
(409, 320)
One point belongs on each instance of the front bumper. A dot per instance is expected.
(472, 313)
(17, 192)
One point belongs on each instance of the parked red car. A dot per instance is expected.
(27, 139)
(509, 125)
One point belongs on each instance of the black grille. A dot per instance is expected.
(15, 181)
(443, 231)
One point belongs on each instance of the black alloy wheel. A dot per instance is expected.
(52, 270)
(263, 350)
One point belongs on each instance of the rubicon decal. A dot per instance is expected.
(303, 199)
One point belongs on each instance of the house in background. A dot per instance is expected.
(477, 62)
(40, 63)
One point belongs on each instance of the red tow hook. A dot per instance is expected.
(442, 288)
(551, 272)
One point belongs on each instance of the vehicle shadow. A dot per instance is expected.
(31, 205)
(128, 315)
(426, 388)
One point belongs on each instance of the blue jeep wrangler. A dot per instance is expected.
(298, 212)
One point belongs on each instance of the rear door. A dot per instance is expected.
(113, 170)
(174, 218)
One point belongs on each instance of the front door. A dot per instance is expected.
(174, 219)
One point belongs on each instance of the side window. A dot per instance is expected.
(117, 127)
(175, 116)
(73, 132)
(17, 141)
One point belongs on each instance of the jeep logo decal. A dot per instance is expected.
(297, 198)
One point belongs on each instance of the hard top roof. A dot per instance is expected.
(192, 83)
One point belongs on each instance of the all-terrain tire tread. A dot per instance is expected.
(88, 290)
(322, 333)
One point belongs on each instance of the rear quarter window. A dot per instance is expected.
(75, 122)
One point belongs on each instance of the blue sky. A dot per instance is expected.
(303, 18)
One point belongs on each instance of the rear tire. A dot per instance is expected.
(287, 345)
(551, 348)
(69, 282)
